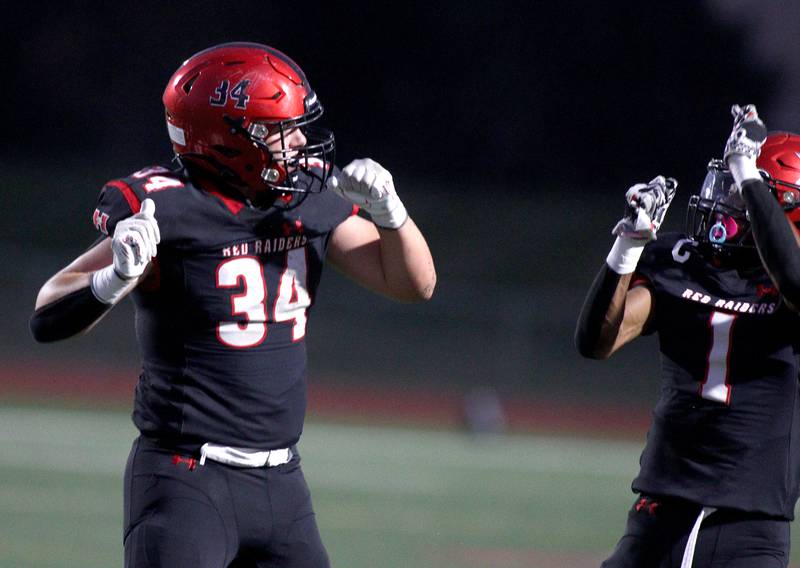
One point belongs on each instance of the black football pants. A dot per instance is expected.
(180, 514)
(658, 530)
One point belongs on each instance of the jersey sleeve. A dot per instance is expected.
(344, 208)
(649, 270)
(116, 202)
(322, 212)
(337, 210)
(655, 259)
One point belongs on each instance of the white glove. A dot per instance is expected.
(369, 185)
(135, 241)
(748, 133)
(646, 206)
(744, 143)
(134, 245)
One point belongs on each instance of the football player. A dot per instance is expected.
(222, 255)
(718, 478)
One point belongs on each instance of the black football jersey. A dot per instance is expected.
(221, 318)
(726, 429)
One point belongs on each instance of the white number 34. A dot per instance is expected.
(291, 303)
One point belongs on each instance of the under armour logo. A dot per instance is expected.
(190, 462)
(645, 504)
(766, 290)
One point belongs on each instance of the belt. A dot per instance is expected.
(244, 457)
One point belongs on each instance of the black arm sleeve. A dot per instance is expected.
(774, 239)
(593, 313)
(67, 316)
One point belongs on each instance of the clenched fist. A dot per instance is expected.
(369, 185)
(135, 242)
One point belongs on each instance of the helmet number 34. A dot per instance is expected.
(237, 93)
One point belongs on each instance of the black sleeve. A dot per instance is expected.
(67, 316)
(593, 313)
(774, 239)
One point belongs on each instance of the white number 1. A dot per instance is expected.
(715, 384)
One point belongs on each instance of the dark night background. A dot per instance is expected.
(512, 130)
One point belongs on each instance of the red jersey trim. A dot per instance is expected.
(231, 204)
(128, 194)
(355, 210)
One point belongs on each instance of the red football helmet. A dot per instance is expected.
(779, 162)
(224, 102)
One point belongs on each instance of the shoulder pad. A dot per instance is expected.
(155, 179)
(669, 249)
(121, 198)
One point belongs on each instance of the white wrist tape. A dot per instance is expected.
(392, 218)
(108, 287)
(624, 255)
(743, 169)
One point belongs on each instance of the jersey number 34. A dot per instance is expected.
(290, 304)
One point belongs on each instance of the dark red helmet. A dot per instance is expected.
(224, 102)
(779, 162)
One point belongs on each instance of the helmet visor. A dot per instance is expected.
(717, 213)
(720, 187)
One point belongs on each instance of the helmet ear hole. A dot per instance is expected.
(187, 86)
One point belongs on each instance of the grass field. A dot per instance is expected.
(388, 497)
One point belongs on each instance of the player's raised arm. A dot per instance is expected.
(614, 313)
(388, 256)
(772, 202)
(80, 294)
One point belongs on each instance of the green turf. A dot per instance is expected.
(384, 496)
